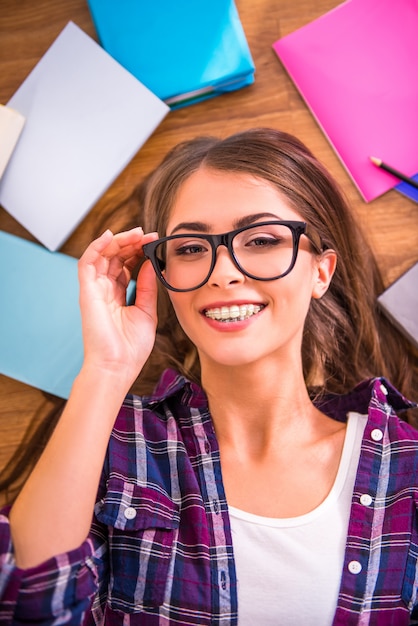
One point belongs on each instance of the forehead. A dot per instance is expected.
(219, 199)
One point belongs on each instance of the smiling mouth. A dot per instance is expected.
(234, 313)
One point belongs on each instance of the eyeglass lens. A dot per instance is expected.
(263, 251)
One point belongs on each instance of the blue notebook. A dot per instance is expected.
(40, 324)
(183, 51)
(408, 190)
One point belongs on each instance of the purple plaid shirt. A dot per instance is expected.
(160, 548)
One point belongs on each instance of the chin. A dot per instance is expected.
(227, 359)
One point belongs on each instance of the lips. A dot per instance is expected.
(233, 313)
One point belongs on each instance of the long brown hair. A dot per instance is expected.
(346, 336)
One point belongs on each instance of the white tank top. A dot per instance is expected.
(289, 570)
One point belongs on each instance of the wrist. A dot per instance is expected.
(106, 378)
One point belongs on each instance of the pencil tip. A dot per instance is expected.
(375, 160)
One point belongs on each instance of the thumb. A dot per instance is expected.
(146, 290)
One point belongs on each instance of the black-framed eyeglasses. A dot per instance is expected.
(262, 251)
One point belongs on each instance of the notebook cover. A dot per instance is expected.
(86, 117)
(400, 303)
(355, 68)
(40, 323)
(177, 48)
(408, 190)
(11, 125)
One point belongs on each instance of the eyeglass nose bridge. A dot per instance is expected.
(220, 240)
(225, 239)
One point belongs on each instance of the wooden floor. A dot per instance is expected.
(28, 28)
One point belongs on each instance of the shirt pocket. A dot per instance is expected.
(142, 524)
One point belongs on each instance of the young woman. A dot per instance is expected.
(267, 479)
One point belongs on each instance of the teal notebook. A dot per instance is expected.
(183, 51)
(40, 324)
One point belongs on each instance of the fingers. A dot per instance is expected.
(109, 245)
(115, 255)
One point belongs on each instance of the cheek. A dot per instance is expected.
(293, 293)
(181, 303)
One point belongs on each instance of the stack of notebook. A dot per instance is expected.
(183, 51)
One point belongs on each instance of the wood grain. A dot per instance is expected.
(28, 28)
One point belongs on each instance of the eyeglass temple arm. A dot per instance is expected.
(314, 238)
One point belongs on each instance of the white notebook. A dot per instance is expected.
(86, 118)
(400, 303)
(11, 125)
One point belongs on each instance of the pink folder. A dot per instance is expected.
(355, 67)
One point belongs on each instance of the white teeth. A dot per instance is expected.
(234, 312)
(224, 312)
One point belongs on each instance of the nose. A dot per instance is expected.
(225, 271)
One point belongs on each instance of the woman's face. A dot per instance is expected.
(274, 311)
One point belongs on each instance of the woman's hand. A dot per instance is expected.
(117, 342)
(117, 338)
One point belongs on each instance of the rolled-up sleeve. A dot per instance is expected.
(60, 590)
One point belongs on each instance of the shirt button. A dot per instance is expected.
(376, 434)
(130, 512)
(383, 389)
(366, 499)
(354, 567)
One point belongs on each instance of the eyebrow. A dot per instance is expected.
(202, 227)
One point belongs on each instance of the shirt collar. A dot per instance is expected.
(172, 384)
(336, 406)
(377, 389)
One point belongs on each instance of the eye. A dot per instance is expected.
(265, 237)
(262, 241)
(189, 249)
